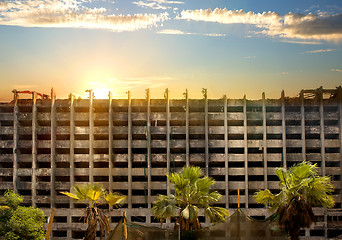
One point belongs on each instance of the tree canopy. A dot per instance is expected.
(301, 188)
(192, 192)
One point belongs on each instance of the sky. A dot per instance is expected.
(229, 47)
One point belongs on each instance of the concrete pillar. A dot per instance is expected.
(226, 144)
(53, 149)
(283, 126)
(34, 150)
(15, 141)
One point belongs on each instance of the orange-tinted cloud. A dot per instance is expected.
(291, 25)
(71, 14)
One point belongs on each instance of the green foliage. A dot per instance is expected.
(18, 222)
(94, 195)
(301, 188)
(192, 192)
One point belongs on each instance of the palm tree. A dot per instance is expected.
(192, 192)
(94, 195)
(301, 188)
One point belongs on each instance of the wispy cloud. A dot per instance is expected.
(336, 70)
(215, 35)
(72, 14)
(179, 32)
(318, 51)
(174, 32)
(292, 26)
(157, 4)
(302, 42)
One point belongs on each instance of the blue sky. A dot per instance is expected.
(230, 47)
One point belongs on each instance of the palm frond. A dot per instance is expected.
(216, 214)
(164, 207)
(74, 196)
(114, 199)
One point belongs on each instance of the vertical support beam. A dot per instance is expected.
(168, 142)
(322, 138)
(283, 126)
(15, 141)
(148, 120)
(110, 142)
(302, 118)
(206, 130)
(187, 133)
(322, 135)
(71, 156)
(245, 148)
(53, 148)
(72, 144)
(226, 149)
(91, 136)
(34, 150)
(264, 121)
(129, 149)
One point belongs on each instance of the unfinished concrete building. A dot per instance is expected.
(48, 145)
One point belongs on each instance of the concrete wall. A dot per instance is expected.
(129, 145)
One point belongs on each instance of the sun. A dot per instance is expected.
(101, 93)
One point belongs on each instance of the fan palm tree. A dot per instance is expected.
(301, 188)
(192, 192)
(94, 195)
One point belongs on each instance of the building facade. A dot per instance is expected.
(48, 145)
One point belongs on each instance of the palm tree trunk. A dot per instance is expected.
(92, 226)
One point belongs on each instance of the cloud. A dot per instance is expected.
(174, 32)
(179, 32)
(157, 4)
(309, 26)
(215, 35)
(319, 51)
(71, 14)
(336, 70)
(303, 42)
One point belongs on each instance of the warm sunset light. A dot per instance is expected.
(229, 47)
(101, 93)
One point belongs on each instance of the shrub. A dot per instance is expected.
(19, 222)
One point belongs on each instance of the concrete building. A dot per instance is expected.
(47, 145)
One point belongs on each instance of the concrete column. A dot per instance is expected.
(322, 134)
(72, 144)
(206, 130)
(129, 157)
(187, 137)
(110, 142)
(283, 126)
(15, 141)
(91, 136)
(71, 156)
(302, 117)
(245, 149)
(168, 142)
(226, 143)
(34, 150)
(148, 135)
(264, 121)
(53, 149)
